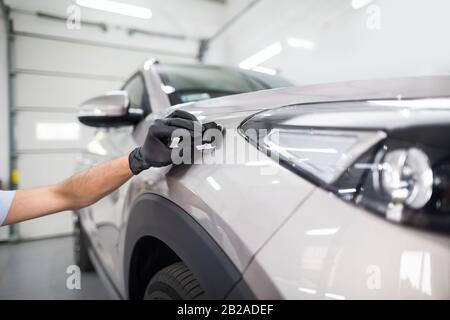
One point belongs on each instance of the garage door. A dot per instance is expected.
(51, 76)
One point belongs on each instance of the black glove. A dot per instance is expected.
(156, 152)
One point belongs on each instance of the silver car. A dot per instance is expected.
(342, 193)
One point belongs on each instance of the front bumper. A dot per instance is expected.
(330, 249)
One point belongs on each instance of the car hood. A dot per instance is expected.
(231, 110)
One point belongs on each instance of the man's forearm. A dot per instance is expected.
(87, 187)
(81, 190)
(91, 185)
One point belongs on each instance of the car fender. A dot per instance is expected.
(155, 216)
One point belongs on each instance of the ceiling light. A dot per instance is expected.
(261, 56)
(265, 70)
(300, 43)
(117, 7)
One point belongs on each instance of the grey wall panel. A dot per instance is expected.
(191, 18)
(47, 130)
(39, 170)
(172, 48)
(31, 90)
(44, 169)
(4, 113)
(61, 56)
(53, 75)
(58, 56)
(4, 102)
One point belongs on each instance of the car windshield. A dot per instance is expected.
(187, 83)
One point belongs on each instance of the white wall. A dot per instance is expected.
(410, 41)
(57, 68)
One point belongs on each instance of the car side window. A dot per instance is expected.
(137, 93)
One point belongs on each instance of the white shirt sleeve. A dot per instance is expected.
(6, 199)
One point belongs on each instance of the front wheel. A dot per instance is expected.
(175, 282)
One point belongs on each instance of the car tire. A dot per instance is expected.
(80, 246)
(175, 282)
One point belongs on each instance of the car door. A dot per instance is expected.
(107, 213)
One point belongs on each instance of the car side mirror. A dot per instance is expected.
(111, 109)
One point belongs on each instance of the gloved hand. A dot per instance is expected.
(156, 152)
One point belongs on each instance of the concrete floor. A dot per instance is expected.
(37, 270)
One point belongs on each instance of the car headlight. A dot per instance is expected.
(406, 177)
(323, 154)
(382, 171)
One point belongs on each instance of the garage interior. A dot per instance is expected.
(55, 54)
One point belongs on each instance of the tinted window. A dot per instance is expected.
(184, 83)
(137, 93)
